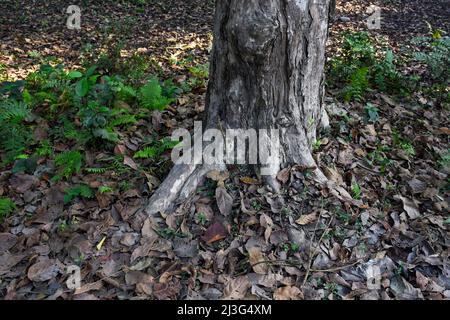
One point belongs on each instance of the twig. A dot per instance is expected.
(308, 270)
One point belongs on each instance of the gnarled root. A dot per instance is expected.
(178, 186)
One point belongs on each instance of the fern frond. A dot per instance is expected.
(150, 96)
(7, 206)
(70, 162)
(78, 191)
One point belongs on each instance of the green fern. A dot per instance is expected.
(83, 191)
(13, 111)
(69, 163)
(151, 97)
(116, 164)
(105, 189)
(148, 152)
(123, 119)
(358, 86)
(15, 135)
(157, 148)
(7, 206)
(95, 170)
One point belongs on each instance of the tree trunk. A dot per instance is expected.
(266, 73)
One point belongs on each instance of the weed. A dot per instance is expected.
(83, 191)
(7, 206)
(69, 163)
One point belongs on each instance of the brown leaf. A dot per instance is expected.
(236, 288)
(249, 180)
(44, 270)
(120, 149)
(215, 233)
(7, 241)
(130, 162)
(218, 176)
(284, 175)
(95, 286)
(256, 258)
(333, 174)
(166, 291)
(288, 293)
(224, 201)
(7, 261)
(409, 206)
(22, 182)
(266, 222)
(306, 219)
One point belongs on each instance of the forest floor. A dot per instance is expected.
(237, 241)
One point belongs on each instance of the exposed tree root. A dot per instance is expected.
(183, 180)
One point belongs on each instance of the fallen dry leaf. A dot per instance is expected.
(7, 241)
(218, 176)
(249, 180)
(256, 258)
(236, 288)
(130, 163)
(214, 233)
(306, 219)
(44, 270)
(224, 201)
(288, 293)
(409, 206)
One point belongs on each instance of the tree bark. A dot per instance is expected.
(266, 73)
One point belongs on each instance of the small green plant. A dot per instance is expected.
(256, 205)
(151, 96)
(82, 190)
(45, 149)
(379, 158)
(358, 86)
(63, 226)
(95, 170)
(343, 216)
(69, 163)
(16, 136)
(105, 189)
(359, 68)
(169, 233)
(331, 287)
(80, 259)
(200, 71)
(156, 149)
(403, 144)
(372, 113)
(435, 53)
(7, 206)
(317, 144)
(356, 190)
(290, 247)
(444, 160)
(202, 219)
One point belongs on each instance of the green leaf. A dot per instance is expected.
(74, 74)
(82, 87)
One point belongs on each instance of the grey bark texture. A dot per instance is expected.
(266, 73)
